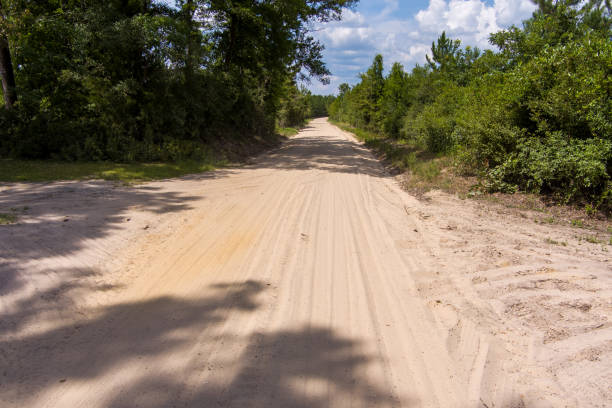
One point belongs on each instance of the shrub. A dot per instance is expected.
(435, 124)
(435, 129)
(567, 88)
(571, 169)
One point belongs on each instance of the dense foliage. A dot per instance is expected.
(298, 105)
(319, 105)
(535, 114)
(143, 80)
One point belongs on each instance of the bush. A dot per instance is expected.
(567, 88)
(571, 169)
(487, 128)
(434, 125)
(435, 129)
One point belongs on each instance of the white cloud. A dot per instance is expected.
(464, 15)
(390, 7)
(352, 43)
(319, 89)
(472, 20)
(433, 18)
(510, 12)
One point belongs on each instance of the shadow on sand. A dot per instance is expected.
(322, 153)
(65, 215)
(273, 367)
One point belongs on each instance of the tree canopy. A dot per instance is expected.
(142, 80)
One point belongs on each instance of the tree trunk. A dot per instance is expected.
(9, 88)
(232, 40)
(189, 66)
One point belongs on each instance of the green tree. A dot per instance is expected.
(444, 53)
(395, 100)
(367, 94)
(450, 60)
(140, 80)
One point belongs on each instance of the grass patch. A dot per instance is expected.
(222, 152)
(287, 131)
(38, 170)
(553, 242)
(545, 220)
(578, 223)
(6, 219)
(592, 239)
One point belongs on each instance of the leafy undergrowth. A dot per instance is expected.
(226, 152)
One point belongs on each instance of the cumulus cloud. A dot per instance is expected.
(510, 12)
(352, 43)
(433, 19)
(472, 20)
(389, 7)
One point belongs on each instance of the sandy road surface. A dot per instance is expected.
(306, 279)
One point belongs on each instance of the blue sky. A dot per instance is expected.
(402, 31)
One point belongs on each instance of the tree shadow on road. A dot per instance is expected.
(304, 368)
(333, 155)
(91, 347)
(273, 366)
(60, 219)
(63, 217)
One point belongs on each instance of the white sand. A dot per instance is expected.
(307, 279)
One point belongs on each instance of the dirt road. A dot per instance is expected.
(306, 279)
